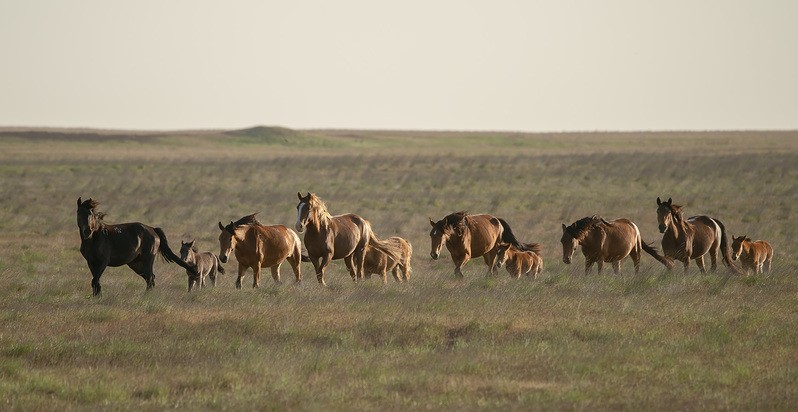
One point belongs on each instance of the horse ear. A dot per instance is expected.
(220, 226)
(431, 222)
(564, 227)
(659, 202)
(79, 202)
(191, 243)
(670, 201)
(299, 195)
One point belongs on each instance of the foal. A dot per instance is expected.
(752, 254)
(380, 263)
(205, 264)
(519, 261)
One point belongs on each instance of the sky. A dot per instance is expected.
(538, 66)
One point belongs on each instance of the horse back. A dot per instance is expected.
(121, 243)
(269, 244)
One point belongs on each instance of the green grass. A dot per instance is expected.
(564, 341)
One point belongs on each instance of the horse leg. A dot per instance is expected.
(616, 267)
(212, 275)
(458, 266)
(769, 260)
(359, 260)
(686, 263)
(325, 260)
(395, 273)
(600, 265)
(256, 276)
(241, 270)
(295, 261)
(350, 266)
(713, 256)
(588, 265)
(490, 260)
(190, 283)
(636, 260)
(97, 270)
(700, 262)
(276, 273)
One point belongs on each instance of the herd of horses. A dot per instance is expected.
(350, 237)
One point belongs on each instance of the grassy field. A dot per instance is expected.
(565, 341)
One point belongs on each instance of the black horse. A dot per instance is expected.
(132, 244)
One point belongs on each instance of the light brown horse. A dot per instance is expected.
(519, 261)
(257, 246)
(692, 238)
(380, 263)
(205, 264)
(753, 255)
(471, 236)
(330, 237)
(606, 241)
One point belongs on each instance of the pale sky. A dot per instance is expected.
(557, 65)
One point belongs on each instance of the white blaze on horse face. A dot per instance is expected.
(299, 226)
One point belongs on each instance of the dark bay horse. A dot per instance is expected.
(518, 261)
(471, 236)
(753, 255)
(330, 237)
(692, 238)
(606, 241)
(380, 263)
(257, 246)
(205, 264)
(132, 244)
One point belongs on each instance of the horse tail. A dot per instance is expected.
(169, 256)
(385, 247)
(725, 248)
(651, 250)
(406, 260)
(509, 237)
(219, 267)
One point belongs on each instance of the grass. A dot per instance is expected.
(565, 341)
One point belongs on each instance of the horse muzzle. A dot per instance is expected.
(223, 258)
(499, 264)
(566, 260)
(299, 227)
(662, 228)
(434, 255)
(734, 257)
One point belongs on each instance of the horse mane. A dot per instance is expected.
(318, 208)
(454, 221)
(90, 204)
(579, 229)
(247, 220)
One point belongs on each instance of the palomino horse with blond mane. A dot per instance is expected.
(691, 238)
(753, 255)
(380, 263)
(606, 241)
(471, 236)
(330, 237)
(131, 244)
(257, 246)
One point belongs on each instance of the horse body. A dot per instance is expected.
(692, 238)
(518, 261)
(205, 264)
(330, 237)
(753, 255)
(380, 263)
(133, 244)
(471, 236)
(257, 246)
(604, 241)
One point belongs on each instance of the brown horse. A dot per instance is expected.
(337, 237)
(205, 264)
(131, 244)
(606, 241)
(692, 238)
(752, 254)
(471, 236)
(519, 261)
(380, 263)
(257, 246)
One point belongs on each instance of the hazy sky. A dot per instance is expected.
(457, 65)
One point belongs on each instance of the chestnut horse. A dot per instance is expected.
(131, 244)
(692, 238)
(606, 241)
(471, 236)
(752, 254)
(380, 263)
(205, 264)
(337, 237)
(257, 246)
(519, 261)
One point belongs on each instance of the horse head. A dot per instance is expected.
(737, 246)
(666, 213)
(88, 219)
(501, 255)
(227, 241)
(187, 252)
(302, 212)
(569, 244)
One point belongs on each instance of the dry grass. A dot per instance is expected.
(564, 341)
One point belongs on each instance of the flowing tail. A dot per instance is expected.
(170, 256)
(219, 267)
(405, 263)
(726, 249)
(509, 237)
(651, 250)
(385, 247)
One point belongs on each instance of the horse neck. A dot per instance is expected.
(240, 235)
(748, 247)
(678, 228)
